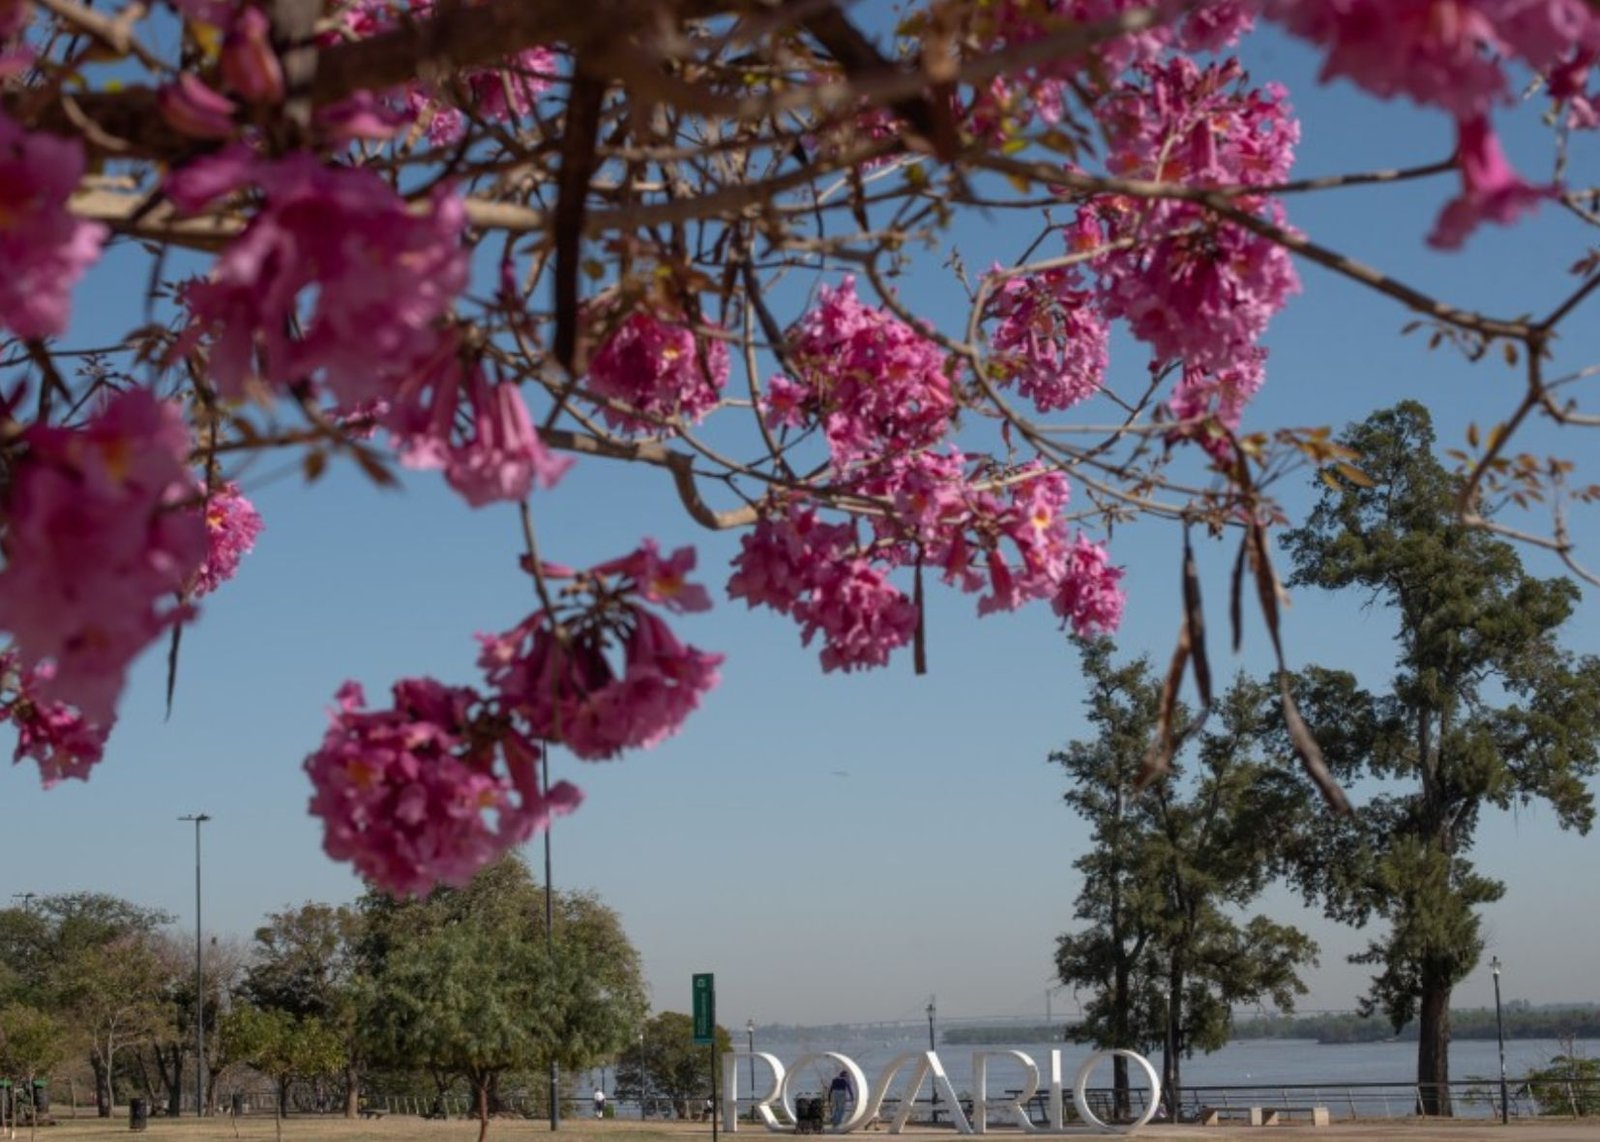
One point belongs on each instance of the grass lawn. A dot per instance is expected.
(390, 1128)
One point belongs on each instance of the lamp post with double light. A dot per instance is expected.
(199, 978)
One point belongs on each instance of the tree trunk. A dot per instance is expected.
(102, 1085)
(1172, 1048)
(1433, 1048)
(482, 1089)
(352, 1091)
(171, 1079)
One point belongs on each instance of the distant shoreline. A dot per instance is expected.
(1475, 1023)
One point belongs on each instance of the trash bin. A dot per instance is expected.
(138, 1114)
(236, 1104)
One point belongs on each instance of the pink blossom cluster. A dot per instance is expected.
(435, 787)
(658, 367)
(1445, 53)
(334, 252)
(500, 94)
(996, 531)
(410, 795)
(1051, 340)
(232, 525)
(1193, 288)
(45, 248)
(1012, 101)
(810, 570)
(605, 674)
(447, 415)
(102, 534)
(1455, 54)
(52, 733)
(877, 386)
(1209, 406)
(1090, 596)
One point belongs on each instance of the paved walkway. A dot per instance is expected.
(1402, 1129)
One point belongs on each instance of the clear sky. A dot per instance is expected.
(834, 848)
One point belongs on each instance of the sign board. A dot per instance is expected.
(705, 1009)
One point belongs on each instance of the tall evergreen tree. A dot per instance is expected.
(1485, 710)
(1162, 950)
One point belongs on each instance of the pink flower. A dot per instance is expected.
(1192, 288)
(604, 674)
(45, 249)
(232, 524)
(661, 581)
(660, 368)
(1490, 190)
(1445, 53)
(1090, 597)
(102, 535)
(565, 687)
(802, 567)
(497, 455)
(1210, 405)
(1052, 341)
(500, 94)
(877, 386)
(191, 108)
(338, 253)
(52, 733)
(1009, 103)
(249, 64)
(409, 795)
(15, 54)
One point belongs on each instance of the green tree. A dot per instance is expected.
(32, 1043)
(1472, 629)
(1110, 956)
(1162, 950)
(465, 982)
(664, 1062)
(1569, 1085)
(92, 959)
(284, 1046)
(306, 962)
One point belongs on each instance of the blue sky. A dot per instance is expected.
(834, 848)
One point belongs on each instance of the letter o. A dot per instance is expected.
(858, 1113)
(1080, 1087)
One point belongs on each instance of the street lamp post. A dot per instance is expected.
(642, 1087)
(1500, 1034)
(199, 978)
(750, 1030)
(549, 939)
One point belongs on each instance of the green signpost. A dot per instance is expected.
(705, 1031)
(705, 1009)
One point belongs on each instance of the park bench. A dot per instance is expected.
(1262, 1115)
(372, 1112)
(1215, 1115)
(1271, 1114)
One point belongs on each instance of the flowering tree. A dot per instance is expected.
(493, 238)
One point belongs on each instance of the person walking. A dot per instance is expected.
(599, 1103)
